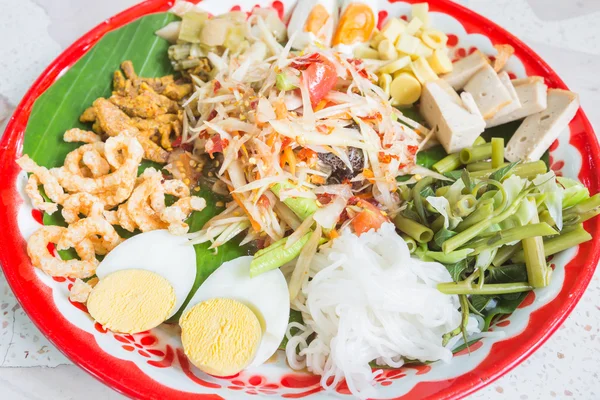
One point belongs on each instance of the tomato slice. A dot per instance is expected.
(320, 77)
(369, 218)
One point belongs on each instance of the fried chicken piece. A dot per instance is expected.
(176, 91)
(114, 121)
(89, 115)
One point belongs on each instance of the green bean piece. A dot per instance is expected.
(276, 256)
(525, 170)
(569, 238)
(301, 206)
(484, 210)
(505, 253)
(497, 152)
(410, 242)
(488, 289)
(418, 199)
(538, 273)
(476, 153)
(415, 230)
(465, 205)
(449, 163)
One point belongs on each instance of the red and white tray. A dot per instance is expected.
(152, 364)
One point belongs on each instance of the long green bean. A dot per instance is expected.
(482, 166)
(463, 237)
(476, 153)
(484, 210)
(441, 191)
(276, 255)
(488, 289)
(567, 239)
(524, 170)
(418, 199)
(522, 232)
(417, 231)
(538, 273)
(497, 152)
(583, 211)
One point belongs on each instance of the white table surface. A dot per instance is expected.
(566, 33)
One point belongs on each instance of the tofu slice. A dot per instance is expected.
(444, 111)
(540, 130)
(463, 70)
(489, 92)
(532, 94)
(515, 103)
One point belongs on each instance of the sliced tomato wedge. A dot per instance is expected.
(320, 77)
(369, 218)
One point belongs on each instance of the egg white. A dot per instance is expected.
(267, 295)
(298, 21)
(161, 252)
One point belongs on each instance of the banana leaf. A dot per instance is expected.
(58, 109)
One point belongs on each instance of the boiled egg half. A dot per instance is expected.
(234, 321)
(358, 19)
(313, 21)
(143, 282)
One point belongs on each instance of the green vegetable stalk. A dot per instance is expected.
(538, 272)
(484, 210)
(468, 288)
(524, 170)
(583, 211)
(569, 238)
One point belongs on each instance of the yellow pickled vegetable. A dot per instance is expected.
(405, 89)
(440, 62)
(421, 11)
(386, 50)
(423, 72)
(434, 39)
(366, 52)
(393, 28)
(407, 44)
(385, 82)
(422, 51)
(395, 65)
(413, 26)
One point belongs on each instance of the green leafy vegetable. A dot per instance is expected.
(295, 316)
(59, 107)
(505, 305)
(503, 172)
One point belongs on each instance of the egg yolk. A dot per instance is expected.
(131, 301)
(220, 336)
(316, 20)
(356, 25)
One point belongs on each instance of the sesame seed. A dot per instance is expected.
(193, 163)
(220, 204)
(210, 173)
(197, 189)
(186, 181)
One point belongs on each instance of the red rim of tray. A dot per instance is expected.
(125, 377)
